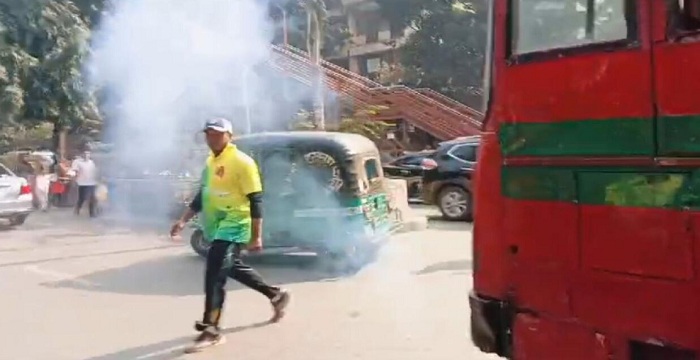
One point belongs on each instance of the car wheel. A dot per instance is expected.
(454, 203)
(199, 244)
(18, 220)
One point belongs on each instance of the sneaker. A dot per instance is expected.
(200, 326)
(279, 305)
(204, 341)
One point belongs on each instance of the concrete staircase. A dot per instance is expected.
(434, 113)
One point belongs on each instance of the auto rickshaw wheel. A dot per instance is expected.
(199, 244)
(348, 261)
(336, 263)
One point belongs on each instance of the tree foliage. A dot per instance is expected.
(447, 50)
(42, 47)
(92, 10)
(335, 31)
(358, 122)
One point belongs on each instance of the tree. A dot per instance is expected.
(447, 50)
(315, 21)
(335, 33)
(92, 10)
(358, 122)
(43, 44)
(310, 28)
(25, 138)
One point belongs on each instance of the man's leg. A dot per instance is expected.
(92, 201)
(247, 276)
(81, 199)
(215, 294)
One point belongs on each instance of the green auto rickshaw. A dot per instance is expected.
(324, 193)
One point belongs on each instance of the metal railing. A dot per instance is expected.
(426, 109)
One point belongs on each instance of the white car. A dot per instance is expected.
(15, 197)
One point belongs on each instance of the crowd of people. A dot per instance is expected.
(62, 182)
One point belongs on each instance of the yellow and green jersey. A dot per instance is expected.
(227, 181)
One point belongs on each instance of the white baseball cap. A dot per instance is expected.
(219, 124)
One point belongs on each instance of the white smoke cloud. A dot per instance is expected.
(168, 65)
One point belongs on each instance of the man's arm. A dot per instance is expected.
(74, 167)
(194, 208)
(256, 214)
(251, 185)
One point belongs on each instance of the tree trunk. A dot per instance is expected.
(58, 140)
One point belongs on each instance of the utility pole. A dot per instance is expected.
(246, 99)
(284, 26)
(285, 30)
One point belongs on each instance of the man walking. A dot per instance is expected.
(230, 202)
(85, 172)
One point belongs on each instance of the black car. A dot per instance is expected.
(410, 168)
(447, 177)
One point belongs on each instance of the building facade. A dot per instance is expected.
(374, 41)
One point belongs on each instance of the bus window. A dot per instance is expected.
(540, 25)
(684, 17)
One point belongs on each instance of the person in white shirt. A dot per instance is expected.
(42, 185)
(84, 172)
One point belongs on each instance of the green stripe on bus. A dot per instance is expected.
(679, 135)
(538, 183)
(673, 188)
(609, 137)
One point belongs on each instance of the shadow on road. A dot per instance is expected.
(81, 256)
(437, 223)
(455, 265)
(167, 350)
(183, 275)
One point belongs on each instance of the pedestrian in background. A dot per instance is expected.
(42, 185)
(84, 172)
(230, 203)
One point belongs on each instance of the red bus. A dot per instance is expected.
(587, 206)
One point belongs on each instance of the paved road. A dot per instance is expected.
(73, 290)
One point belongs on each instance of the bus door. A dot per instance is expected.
(676, 51)
(576, 85)
(676, 43)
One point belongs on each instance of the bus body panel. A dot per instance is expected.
(491, 275)
(556, 103)
(676, 72)
(589, 249)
